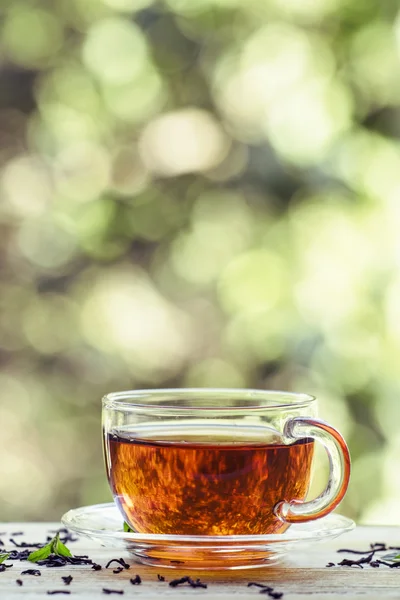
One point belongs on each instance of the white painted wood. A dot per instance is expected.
(301, 576)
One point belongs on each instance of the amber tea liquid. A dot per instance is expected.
(204, 480)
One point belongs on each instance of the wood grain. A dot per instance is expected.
(301, 576)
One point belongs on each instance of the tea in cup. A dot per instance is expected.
(218, 462)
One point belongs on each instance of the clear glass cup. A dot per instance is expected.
(218, 462)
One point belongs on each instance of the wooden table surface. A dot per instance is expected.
(300, 576)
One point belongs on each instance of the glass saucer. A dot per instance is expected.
(103, 523)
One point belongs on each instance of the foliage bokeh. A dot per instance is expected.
(196, 193)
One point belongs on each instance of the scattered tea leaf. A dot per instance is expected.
(186, 579)
(393, 556)
(59, 548)
(369, 558)
(4, 556)
(34, 572)
(40, 554)
(180, 581)
(260, 585)
(26, 544)
(266, 589)
(120, 561)
(55, 546)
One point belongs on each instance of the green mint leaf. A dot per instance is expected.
(59, 548)
(393, 556)
(396, 558)
(4, 557)
(55, 546)
(127, 528)
(40, 554)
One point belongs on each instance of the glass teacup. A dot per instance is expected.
(217, 462)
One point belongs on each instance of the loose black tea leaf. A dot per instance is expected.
(26, 544)
(19, 582)
(62, 561)
(17, 533)
(79, 559)
(107, 591)
(54, 592)
(160, 577)
(118, 570)
(350, 563)
(176, 582)
(136, 580)
(369, 558)
(355, 551)
(197, 583)
(52, 561)
(59, 556)
(119, 561)
(394, 565)
(34, 572)
(346, 562)
(19, 554)
(182, 580)
(266, 589)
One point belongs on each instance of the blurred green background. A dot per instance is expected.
(196, 193)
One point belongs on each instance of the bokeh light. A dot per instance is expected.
(196, 193)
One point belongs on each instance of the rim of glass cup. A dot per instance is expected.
(153, 399)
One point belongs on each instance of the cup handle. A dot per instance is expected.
(298, 511)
